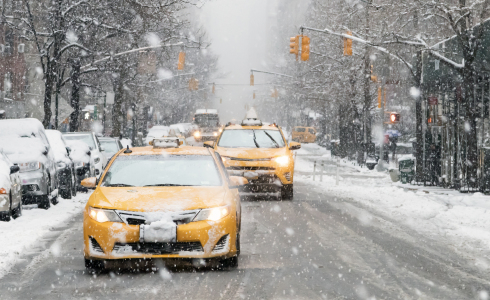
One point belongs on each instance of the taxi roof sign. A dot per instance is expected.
(251, 119)
(166, 142)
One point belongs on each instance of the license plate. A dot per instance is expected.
(158, 232)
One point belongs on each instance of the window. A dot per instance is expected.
(86, 138)
(310, 130)
(7, 85)
(299, 129)
(248, 138)
(159, 170)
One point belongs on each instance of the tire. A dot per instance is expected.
(17, 212)
(74, 185)
(44, 202)
(94, 266)
(370, 167)
(66, 193)
(287, 192)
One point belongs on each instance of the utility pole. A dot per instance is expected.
(380, 166)
(367, 85)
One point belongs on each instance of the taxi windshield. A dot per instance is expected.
(159, 170)
(251, 138)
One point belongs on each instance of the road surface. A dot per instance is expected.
(314, 247)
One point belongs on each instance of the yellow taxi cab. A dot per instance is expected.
(303, 134)
(163, 201)
(261, 154)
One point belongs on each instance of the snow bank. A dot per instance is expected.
(462, 219)
(24, 234)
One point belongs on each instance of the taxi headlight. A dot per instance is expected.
(282, 160)
(220, 130)
(103, 215)
(215, 133)
(197, 134)
(212, 214)
(225, 159)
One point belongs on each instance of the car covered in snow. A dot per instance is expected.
(158, 132)
(65, 168)
(10, 190)
(163, 201)
(80, 154)
(98, 159)
(25, 143)
(111, 146)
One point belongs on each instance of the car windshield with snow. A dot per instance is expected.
(163, 201)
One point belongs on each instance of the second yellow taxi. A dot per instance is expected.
(163, 201)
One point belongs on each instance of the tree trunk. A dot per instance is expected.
(75, 95)
(48, 91)
(117, 113)
(470, 116)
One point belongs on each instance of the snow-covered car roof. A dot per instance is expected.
(58, 145)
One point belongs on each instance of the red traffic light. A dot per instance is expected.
(394, 117)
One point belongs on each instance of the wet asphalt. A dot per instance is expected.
(314, 247)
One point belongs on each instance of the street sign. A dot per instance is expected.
(432, 100)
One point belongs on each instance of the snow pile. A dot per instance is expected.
(462, 219)
(58, 146)
(24, 234)
(162, 231)
(79, 151)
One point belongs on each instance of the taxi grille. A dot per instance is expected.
(250, 159)
(251, 168)
(94, 245)
(158, 248)
(139, 218)
(222, 243)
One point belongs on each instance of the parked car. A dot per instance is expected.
(186, 129)
(111, 146)
(158, 132)
(98, 159)
(180, 135)
(65, 168)
(10, 190)
(25, 143)
(80, 154)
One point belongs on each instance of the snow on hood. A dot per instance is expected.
(58, 146)
(79, 151)
(153, 199)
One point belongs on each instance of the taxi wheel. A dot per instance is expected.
(287, 192)
(94, 266)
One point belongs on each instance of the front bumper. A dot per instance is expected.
(34, 183)
(261, 174)
(202, 239)
(64, 177)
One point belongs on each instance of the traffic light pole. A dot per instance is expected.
(380, 167)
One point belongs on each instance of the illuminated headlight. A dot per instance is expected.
(215, 133)
(221, 130)
(103, 215)
(96, 160)
(212, 214)
(282, 160)
(61, 165)
(31, 166)
(225, 159)
(197, 134)
(79, 164)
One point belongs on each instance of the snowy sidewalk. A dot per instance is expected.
(463, 220)
(25, 234)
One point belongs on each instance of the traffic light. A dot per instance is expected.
(180, 65)
(294, 45)
(252, 80)
(394, 118)
(254, 94)
(379, 97)
(374, 78)
(193, 84)
(275, 93)
(214, 88)
(305, 48)
(348, 45)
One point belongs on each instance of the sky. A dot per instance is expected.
(240, 34)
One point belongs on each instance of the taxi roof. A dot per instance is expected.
(182, 150)
(237, 127)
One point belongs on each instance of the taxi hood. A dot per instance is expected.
(252, 153)
(148, 199)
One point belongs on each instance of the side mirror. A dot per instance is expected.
(236, 181)
(90, 182)
(46, 150)
(209, 144)
(68, 150)
(102, 149)
(14, 169)
(181, 143)
(294, 146)
(150, 143)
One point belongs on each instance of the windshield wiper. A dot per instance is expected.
(118, 185)
(273, 140)
(255, 140)
(168, 184)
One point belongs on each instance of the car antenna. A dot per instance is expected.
(128, 150)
